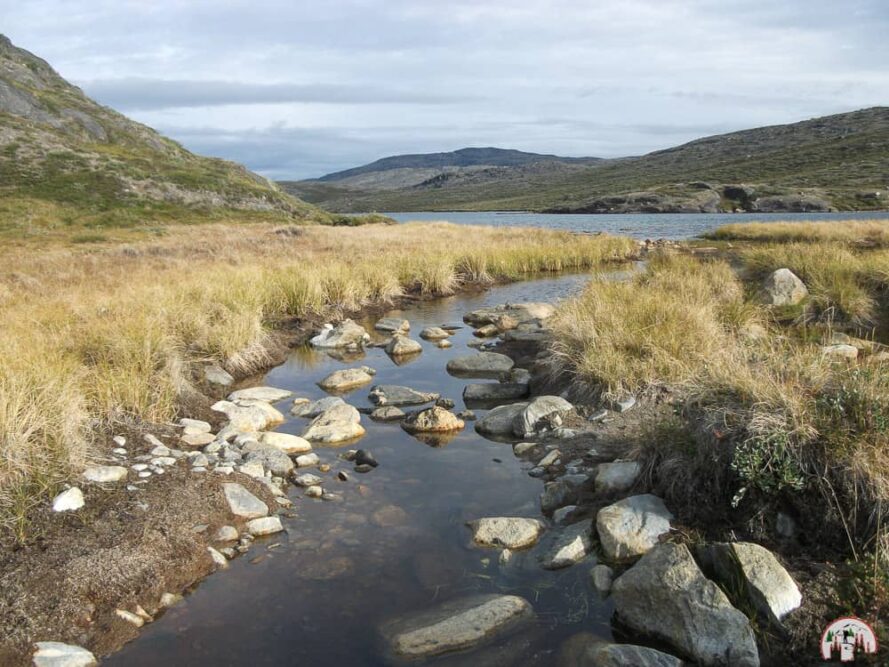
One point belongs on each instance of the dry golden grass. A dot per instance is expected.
(89, 336)
(872, 233)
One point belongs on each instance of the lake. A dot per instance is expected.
(637, 225)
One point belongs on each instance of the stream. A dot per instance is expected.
(396, 543)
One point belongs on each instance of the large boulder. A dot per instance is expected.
(666, 596)
(345, 334)
(480, 365)
(754, 573)
(539, 410)
(506, 532)
(498, 422)
(392, 394)
(339, 423)
(519, 312)
(347, 379)
(784, 288)
(432, 420)
(569, 545)
(455, 625)
(587, 650)
(632, 526)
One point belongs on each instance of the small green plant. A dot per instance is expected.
(764, 462)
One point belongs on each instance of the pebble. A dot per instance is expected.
(130, 617)
(163, 461)
(169, 599)
(523, 447)
(363, 467)
(69, 500)
(160, 450)
(120, 451)
(314, 492)
(306, 460)
(307, 480)
(144, 474)
(598, 415)
(119, 440)
(103, 474)
(224, 470)
(343, 476)
(549, 459)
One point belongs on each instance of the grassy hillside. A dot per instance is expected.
(839, 162)
(67, 162)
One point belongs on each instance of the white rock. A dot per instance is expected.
(105, 474)
(542, 407)
(549, 459)
(130, 617)
(190, 439)
(170, 599)
(220, 560)
(287, 443)
(57, 654)
(69, 500)
(307, 460)
(617, 476)
(264, 526)
(252, 469)
(337, 424)
(569, 546)
(402, 346)
(310, 409)
(784, 288)
(521, 448)
(242, 503)
(265, 394)
(345, 334)
(226, 534)
(347, 379)
(119, 440)
(840, 351)
(314, 492)
(307, 479)
(194, 426)
(216, 375)
(507, 532)
(632, 526)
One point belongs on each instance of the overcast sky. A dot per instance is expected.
(295, 89)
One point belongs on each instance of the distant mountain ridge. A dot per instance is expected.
(64, 156)
(834, 162)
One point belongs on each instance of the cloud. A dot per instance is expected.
(134, 93)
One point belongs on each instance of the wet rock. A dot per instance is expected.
(665, 596)
(570, 545)
(455, 625)
(337, 424)
(216, 375)
(286, 442)
(391, 394)
(307, 479)
(364, 457)
(402, 346)
(491, 392)
(541, 408)
(522, 448)
(363, 467)
(551, 458)
(487, 331)
(784, 288)
(306, 460)
(602, 577)
(755, 573)
(242, 503)
(266, 525)
(434, 333)
(347, 378)
(561, 515)
(393, 325)
(345, 334)
(587, 650)
(561, 492)
(446, 403)
(520, 312)
(387, 516)
(105, 474)
(219, 559)
(432, 420)
(480, 365)
(506, 532)
(444, 344)
(311, 409)
(57, 654)
(617, 476)
(466, 415)
(498, 422)
(265, 394)
(68, 501)
(314, 492)
(271, 458)
(632, 526)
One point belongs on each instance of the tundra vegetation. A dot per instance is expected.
(768, 414)
(93, 335)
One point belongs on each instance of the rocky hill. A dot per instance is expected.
(835, 162)
(65, 158)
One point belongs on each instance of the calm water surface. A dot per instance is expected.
(396, 543)
(637, 225)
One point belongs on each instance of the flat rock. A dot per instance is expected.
(392, 394)
(498, 422)
(784, 288)
(266, 525)
(541, 408)
(434, 333)
(632, 526)
(520, 312)
(617, 476)
(387, 413)
(266, 394)
(346, 379)
(480, 365)
(270, 457)
(393, 325)
(242, 503)
(455, 625)
(247, 417)
(311, 409)
(506, 532)
(69, 500)
(307, 479)
(569, 545)
(402, 346)
(337, 424)
(345, 334)
(489, 392)
(216, 375)
(192, 426)
(196, 440)
(105, 474)
(306, 460)
(286, 442)
(587, 650)
(432, 420)
(57, 654)
(665, 596)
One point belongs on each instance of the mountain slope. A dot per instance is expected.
(65, 158)
(839, 161)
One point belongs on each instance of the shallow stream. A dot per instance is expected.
(396, 543)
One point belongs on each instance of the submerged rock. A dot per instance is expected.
(569, 546)
(345, 334)
(491, 391)
(391, 394)
(393, 325)
(480, 365)
(632, 526)
(665, 596)
(337, 424)
(347, 378)
(784, 288)
(587, 650)
(455, 625)
(242, 503)
(506, 532)
(432, 420)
